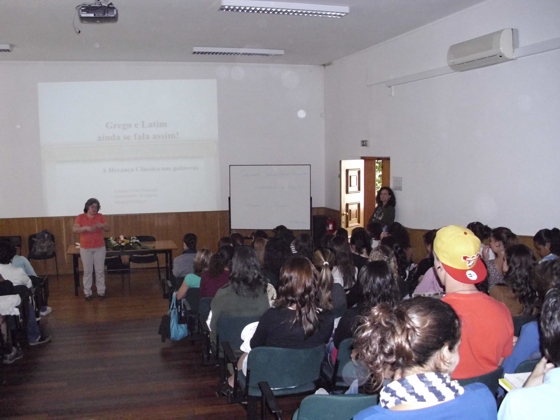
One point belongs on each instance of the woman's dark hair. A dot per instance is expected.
(392, 200)
(275, 254)
(326, 241)
(283, 232)
(375, 229)
(344, 261)
(400, 233)
(376, 285)
(505, 236)
(341, 232)
(190, 240)
(225, 241)
(259, 233)
(521, 261)
(237, 239)
(324, 260)
(384, 253)
(7, 252)
(429, 237)
(220, 261)
(549, 326)
(549, 236)
(481, 231)
(90, 203)
(407, 336)
(245, 277)
(259, 245)
(297, 287)
(400, 254)
(361, 241)
(545, 277)
(304, 245)
(201, 261)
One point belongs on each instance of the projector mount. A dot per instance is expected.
(97, 12)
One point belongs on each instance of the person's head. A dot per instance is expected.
(245, 277)
(259, 244)
(481, 231)
(518, 268)
(297, 289)
(201, 261)
(360, 241)
(400, 233)
(344, 261)
(220, 261)
(547, 241)
(457, 257)
(549, 327)
(385, 253)
(7, 252)
(92, 206)
(276, 252)
(429, 238)
(419, 335)
(304, 245)
(189, 241)
(375, 229)
(376, 285)
(341, 232)
(326, 241)
(237, 239)
(386, 197)
(502, 238)
(545, 277)
(402, 258)
(225, 241)
(324, 260)
(259, 233)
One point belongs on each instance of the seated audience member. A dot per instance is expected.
(259, 245)
(326, 241)
(276, 252)
(547, 244)
(374, 229)
(360, 244)
(483, 233)
(259, 233)
(546, 276)
(21, 281)
(283, 232)
(225, 241)
(245, 294)
(332, 294)
(237, 239)
(403, 264)
(501, 238)
(344, 272)
(540, 396)
(341, 232)
(428, 261)
(217, 274)
(416, 344)
(375, 285)
(183, 264)
(200, 265)
(517, 292)
(487, 327)
(303, 245)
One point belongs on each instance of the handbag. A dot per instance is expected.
(178, 331)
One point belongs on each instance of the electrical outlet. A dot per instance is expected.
(364, 143)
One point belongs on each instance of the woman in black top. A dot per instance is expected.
(385, 209)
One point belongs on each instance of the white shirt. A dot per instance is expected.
(16, 275)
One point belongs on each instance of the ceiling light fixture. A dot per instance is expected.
(6, 47)
(284, 8)
(236, 51)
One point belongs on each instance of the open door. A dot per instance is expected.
(351, 194)
(377, 174)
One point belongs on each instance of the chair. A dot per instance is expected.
(203, 311)
(527, 366)
(489, 379)
(519, 321)
(344, 371)
(333, 407)
(37, 256)
(288, 372)
(115, 264)
(193, 323)
(146, 258)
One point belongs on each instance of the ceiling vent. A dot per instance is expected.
(483, 51)
(6, 47)
(237, 51)
(284, 8)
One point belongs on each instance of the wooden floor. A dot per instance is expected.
(106, 361)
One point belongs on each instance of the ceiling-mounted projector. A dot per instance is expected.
(98, 12)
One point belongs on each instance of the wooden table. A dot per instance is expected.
(158, 247)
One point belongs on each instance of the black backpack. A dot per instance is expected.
(43, 244)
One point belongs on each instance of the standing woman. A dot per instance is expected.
(90, 225)
(385, 211)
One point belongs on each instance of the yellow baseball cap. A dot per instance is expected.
(458, 249)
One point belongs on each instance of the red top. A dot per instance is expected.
(210, 285)
(91, 239)
(486, 333)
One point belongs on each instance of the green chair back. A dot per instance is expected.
(333, 407)
(489, 379)
(527, 366)
(229, 329)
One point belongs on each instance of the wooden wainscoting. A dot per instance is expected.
(208, 226)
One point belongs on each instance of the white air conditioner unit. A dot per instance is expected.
(486, 50)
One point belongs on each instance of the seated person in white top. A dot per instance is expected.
(540, 396)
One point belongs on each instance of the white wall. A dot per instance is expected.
(257, 113)
(479, 145)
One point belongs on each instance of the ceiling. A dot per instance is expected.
(167, 30)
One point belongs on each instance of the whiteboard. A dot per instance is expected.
(265, 196)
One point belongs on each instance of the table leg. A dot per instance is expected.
(76, 267)
(168, 264)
